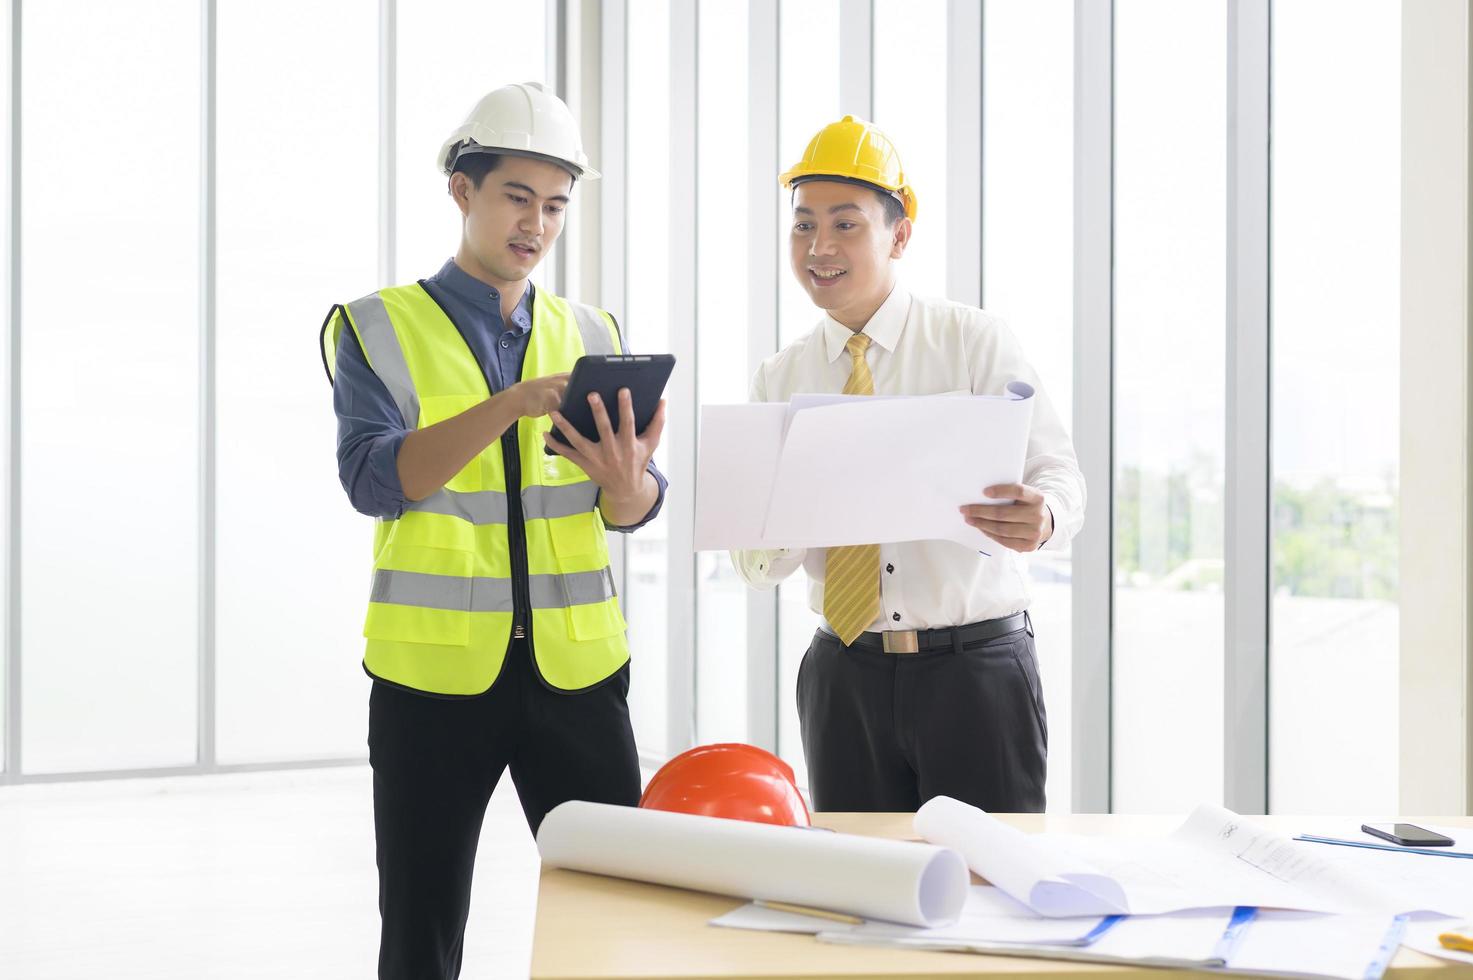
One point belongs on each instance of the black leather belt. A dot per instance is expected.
(918, 641)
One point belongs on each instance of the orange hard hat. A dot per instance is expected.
(732, 780)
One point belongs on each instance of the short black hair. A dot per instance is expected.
(894, 210)
(476, 166)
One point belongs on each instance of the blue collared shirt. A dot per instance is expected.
(370, 426)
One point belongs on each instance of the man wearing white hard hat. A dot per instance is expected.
(494, 635)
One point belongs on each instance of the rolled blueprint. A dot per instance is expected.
(1019, 864)
(898, 881)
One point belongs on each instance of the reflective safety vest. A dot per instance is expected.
(514, 539)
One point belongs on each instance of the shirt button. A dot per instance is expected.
(890, 569)
(895, 616)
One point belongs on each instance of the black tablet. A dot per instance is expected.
(643, 374)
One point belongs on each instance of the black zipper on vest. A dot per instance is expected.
(516, 533)
(516, 529)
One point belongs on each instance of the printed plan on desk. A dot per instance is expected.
(1393, 862)
(1220, 893)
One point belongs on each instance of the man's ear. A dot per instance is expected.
(900, 237)
(460, 191)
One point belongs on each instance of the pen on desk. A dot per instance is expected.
(1316, 839)
(852, 920)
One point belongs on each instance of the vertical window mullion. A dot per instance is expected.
(964, 138)
(613, 195)
(1245, 537)
(856, 57)
(555, 44)
(205, 701)
(1093, 620)
(762, 276)
(682, 388)
(387, 154)
(10, 771)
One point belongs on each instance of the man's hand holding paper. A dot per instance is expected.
(1023, 524)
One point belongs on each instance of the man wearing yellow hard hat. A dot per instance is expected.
(922, 679)
(494, 637)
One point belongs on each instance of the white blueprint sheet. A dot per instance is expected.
(828, 470)
(1215, 859)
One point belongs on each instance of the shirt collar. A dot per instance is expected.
(484, 297)
(883, 328)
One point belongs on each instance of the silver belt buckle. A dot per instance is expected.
(900, 641)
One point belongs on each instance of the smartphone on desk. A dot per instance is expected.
(1406, 834)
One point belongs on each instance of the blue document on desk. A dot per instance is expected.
(1243, 940)
(1308, 944)
(1196, 939)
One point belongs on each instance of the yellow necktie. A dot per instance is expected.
(851, 589)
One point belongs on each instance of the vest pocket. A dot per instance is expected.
(582, 555)
(421, 595)
(595, 621)
(575, 536)
(559, 470)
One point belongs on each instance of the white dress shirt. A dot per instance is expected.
(921, 347)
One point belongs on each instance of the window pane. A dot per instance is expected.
(288, 632)
(5, 188)
(721, 313)
(808, 76)
(1170, 230)
(1336, 295)
(451, 52)
(647, 583)
(1028, 274)
(910, 106)
(110, 357)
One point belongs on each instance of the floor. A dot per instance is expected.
(243, 875)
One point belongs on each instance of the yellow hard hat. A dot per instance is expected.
(852, 149)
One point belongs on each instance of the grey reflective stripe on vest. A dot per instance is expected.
(563, 501)
(441, 591)
(489, 506)
(594, 328)
(479, 507)
(571, 589)
(489, 594)
(385, 356)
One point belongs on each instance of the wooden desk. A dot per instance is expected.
(589, 926)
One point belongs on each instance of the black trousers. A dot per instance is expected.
(435, 762)
(888, 731)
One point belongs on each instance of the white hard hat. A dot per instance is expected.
(522, 119)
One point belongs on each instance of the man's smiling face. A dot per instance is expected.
(842, 248)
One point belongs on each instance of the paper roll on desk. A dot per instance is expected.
(898, 881)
